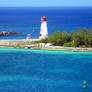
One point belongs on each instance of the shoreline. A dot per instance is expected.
(52, 49)
(24, 44)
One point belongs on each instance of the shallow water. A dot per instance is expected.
(44, 71)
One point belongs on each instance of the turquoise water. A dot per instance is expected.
(44, 71)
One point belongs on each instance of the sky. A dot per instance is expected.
(45, 3)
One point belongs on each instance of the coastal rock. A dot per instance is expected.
(10, 34)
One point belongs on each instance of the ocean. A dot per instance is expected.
(44, 71)
(26, 19)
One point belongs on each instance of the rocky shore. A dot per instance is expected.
(10, 34)
(27, 44)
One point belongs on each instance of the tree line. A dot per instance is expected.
(82, 37)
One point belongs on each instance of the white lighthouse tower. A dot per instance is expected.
(43, 29)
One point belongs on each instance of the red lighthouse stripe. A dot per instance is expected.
(40, 34)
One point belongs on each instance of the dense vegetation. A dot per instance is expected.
(80, 38)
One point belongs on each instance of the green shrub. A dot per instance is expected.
(74, 44)
(68, 44)
(81, 37)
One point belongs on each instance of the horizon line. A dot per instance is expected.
(42, 6)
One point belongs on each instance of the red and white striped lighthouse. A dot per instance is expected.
(43, 29)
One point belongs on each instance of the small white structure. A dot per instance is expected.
(28, 36)
(43, 29)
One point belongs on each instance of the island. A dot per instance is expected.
(80, 40)
(10, 34)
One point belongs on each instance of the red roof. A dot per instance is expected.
(43, 19)
(28, 35)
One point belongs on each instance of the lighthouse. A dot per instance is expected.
(43, 28)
